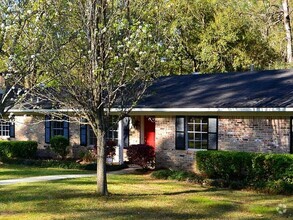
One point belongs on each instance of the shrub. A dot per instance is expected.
(89, 156)
(18, 149)
(59, 145)
(271, 173)
(225, 165)
(142, 155)
(162, 174)
(271, 166)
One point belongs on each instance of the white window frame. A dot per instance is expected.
(4, 128)
(195, 132)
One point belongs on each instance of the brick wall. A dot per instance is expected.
(250, 134)
(254, 134)
(166, 155)
(32, 127)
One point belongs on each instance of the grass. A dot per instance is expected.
(135, 197)
(20, 171)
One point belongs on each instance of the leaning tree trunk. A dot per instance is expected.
(288, 30)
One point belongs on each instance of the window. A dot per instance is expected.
(197, 130)
(92, 136)
(7, 129)
(196, 133)
(87, 136)
(4, 128)
(55, 127)
(112, 133)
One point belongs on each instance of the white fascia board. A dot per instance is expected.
(210, 111)
(168, 110)
(40, 110)
(178, 110)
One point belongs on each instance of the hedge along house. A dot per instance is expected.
(180, 115)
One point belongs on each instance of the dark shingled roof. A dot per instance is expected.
(258, 89)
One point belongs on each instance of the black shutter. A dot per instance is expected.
(66, 127)
(125, 127)
(47, 129)
(180, 133)
(12, 129)
(212, 134)
(83, 133)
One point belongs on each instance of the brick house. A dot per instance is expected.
(250, 111)
(180, 115)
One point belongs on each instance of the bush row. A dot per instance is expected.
(267, 172)
(18, 149)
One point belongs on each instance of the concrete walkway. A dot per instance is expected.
(61, 177)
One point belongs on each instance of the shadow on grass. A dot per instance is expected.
(65, 196)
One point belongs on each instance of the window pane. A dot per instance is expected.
(198, 136)
(197, 127)
(212, 141)
(190, 136)
(205, 127)
(191, 145)
(197, 145)
(180, 140)
(180, 124)
(190, 127)
(204, 145)
(204, 120)
(213, 125)
(205, 137)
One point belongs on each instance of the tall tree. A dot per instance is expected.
(287, 26)
(99, 56)
(17, 51)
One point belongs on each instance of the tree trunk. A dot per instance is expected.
(101, 166)
(288, 30)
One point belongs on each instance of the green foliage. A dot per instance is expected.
(266, 172)
(271, 166)
(59, 145)
(18, 149)
(226, 165)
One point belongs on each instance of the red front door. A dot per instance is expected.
(149, 130)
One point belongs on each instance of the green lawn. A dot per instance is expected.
(19, 171)
(135, 197)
